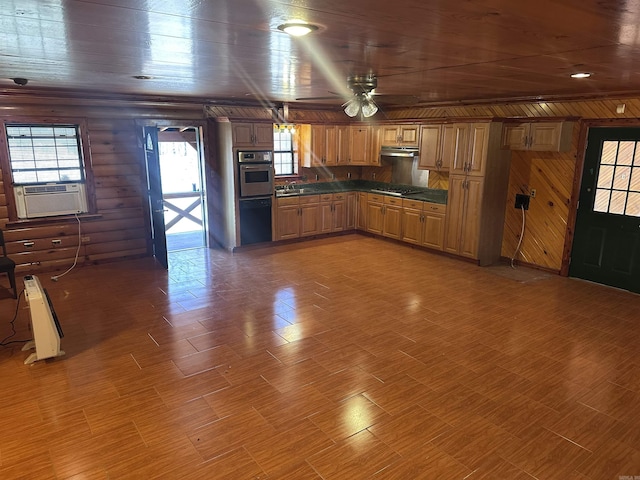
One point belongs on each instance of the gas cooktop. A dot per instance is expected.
(395, 191)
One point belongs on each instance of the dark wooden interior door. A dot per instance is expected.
(606, 244)
(154, 183)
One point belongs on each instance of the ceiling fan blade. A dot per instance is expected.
(396, 99)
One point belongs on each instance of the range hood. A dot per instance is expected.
(398, 152)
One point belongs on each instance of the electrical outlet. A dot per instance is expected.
(532, 194)
(56, 242)
(86, 239)
(522, 201)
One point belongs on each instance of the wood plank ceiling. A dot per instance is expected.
(431, 51)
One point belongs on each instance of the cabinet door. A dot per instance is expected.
(263, 135)
(358, 148)
(479, 145)
(350, 213)
(470, 234)
(317, 145)
(375, 218)
(330, 145)
(342, 144)
(457, 150)
(412, 226)
(242, 134)
(455, 210)
(433, 234)
(545, 137)
(409, 135)
(362, 212)
(288, 222)
(515, 136)
(389, 135)
(309, 219)
(326, 217)
(392, 222)
(430, 147)
(339, 216)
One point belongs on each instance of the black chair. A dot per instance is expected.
(8, 266)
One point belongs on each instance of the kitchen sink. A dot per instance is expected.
(290, 191)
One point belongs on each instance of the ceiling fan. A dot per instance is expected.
(364, 99)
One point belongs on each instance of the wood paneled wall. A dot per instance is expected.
(550, 174)
(120, 229)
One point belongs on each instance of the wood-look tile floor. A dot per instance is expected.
(343, 358)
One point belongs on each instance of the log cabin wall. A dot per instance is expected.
(120, 228)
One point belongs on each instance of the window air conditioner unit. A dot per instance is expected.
(33, 201)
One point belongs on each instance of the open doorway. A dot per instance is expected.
(179, 150)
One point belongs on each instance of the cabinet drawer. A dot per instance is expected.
(374, 197)
(339, 196)
(287, 201)
(392, 200)
(326, 197)
(435, 207)
(306, 199)
(415, 204)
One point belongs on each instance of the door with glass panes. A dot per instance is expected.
(606, 246)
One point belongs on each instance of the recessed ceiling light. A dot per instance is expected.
(580, 75)
(297, 28)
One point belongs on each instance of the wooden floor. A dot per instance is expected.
(345, 358)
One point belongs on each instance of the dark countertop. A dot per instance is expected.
(417, 193)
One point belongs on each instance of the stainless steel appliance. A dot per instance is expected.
(256, 173)
(255, 169)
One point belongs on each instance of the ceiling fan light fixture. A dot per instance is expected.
(369, 107)
(297, 28)
(352, 107)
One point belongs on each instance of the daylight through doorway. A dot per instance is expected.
(182, 192)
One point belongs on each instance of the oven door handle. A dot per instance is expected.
(244, 167)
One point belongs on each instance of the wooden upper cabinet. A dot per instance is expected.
(478, 148)
(444, 147)
(253, 135)
(430, 138)
(359, 145)
(342, 144)
(318, 146)
(455, 146)
(399, 135)
(538, 136)
(331, 145)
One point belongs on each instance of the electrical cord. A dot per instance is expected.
(515, 254)
(75, 261)
(4, 342)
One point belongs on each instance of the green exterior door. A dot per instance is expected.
(606, 246)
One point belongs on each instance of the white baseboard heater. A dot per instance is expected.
(33, 201)
(44, 323)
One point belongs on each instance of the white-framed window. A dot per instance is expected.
(40, 153)
(285, 150)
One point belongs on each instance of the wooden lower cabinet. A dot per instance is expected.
(287, 218)
(332, 213)
(362, 210)
(309, 219)
(297, 217)
(423, 223)
(351, 210)
(464, 213)
(375, 215)
(392, 215)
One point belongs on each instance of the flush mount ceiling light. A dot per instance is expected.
(297, 28)
(581, 75)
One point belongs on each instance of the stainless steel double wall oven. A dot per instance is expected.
(255, 185)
